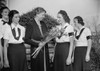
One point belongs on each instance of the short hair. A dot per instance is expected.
(80, 20)
(64, 15)
(11, 15)
(38, 10)
(1, 10)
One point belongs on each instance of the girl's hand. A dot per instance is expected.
(73, 59)
(68, 61)
(6, 64)
(87, 58)
(1, 64)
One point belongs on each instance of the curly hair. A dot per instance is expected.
(64, 15)
(38, 10)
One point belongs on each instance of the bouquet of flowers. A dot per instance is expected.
(54, 32)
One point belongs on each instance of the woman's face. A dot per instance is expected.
(41, 15)
(60, 18)
(5, 13)
(16, 18)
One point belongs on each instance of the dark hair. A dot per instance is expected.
(11, 14)
(80, 20)
(1, 10)
(64, 15)
(38, 10)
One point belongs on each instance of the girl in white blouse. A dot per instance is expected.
(64, 47)
(4, 11)
(82, 45)
(15, 54)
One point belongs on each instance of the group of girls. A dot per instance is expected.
(72, 51)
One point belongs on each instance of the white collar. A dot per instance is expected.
(13, 26)
(82, 27)
(1, 20)
(66, 24)
(37, 22)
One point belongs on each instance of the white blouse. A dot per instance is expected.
(2, 28)
(83, 41)
(65, 38)
(9, 35)
(1, 23)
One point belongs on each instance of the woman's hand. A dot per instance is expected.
(87, 58)
(68, 61)
(41, 44)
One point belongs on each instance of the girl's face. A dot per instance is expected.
(5, 13)
(41, 15)
(16, 18)
(76, 23)
(60, 18)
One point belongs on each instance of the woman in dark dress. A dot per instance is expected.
(14, 49)
(34, 34)
(64, 47)
(82, 46)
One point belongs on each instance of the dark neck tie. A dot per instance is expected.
(77, 37)
(14, 33)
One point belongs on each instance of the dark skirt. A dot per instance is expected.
(41, 62)
(4, 69)
(79, 59)
(61, 54)
(17, 57)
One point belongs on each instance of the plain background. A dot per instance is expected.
(88, 9)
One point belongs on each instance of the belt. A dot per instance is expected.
(16, 43)
(63, 42)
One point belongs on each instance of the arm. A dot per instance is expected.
(6, 39)
(1, 53)
(71, 46)
(89, 41)
(28, 36)
(5, 50)
(5, 53)
(89, 47)
(1, 49)
(87, 58)
(71, 38)
(69, 58)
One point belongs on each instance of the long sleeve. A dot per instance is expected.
(28, 36)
